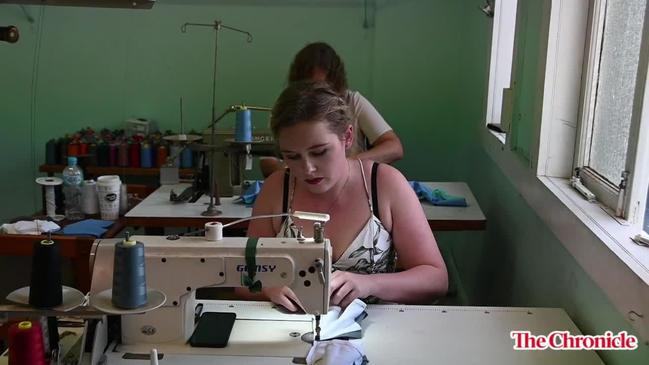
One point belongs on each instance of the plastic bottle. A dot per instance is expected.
(72, 180)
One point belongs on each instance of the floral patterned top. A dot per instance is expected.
(370, 252)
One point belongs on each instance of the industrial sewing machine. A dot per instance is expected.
(178, 266)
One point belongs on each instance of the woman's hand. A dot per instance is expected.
(283, 296)
(345, 286)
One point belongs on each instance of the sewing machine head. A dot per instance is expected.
(233, 159)
(178, 266)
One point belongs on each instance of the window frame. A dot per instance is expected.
(600, 244)
(607, 193)
(501, 66)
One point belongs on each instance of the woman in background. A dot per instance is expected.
(375, 140)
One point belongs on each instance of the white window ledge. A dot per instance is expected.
(616, 236)
(599, 244)
(502, 137)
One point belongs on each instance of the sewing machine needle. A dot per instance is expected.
(317, 327)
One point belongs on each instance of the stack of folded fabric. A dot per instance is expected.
(340, 338)
(437, 196)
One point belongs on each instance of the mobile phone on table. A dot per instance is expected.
(213, 329)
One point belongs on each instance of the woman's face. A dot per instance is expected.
(315, 155)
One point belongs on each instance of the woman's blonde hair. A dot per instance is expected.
(309, 101)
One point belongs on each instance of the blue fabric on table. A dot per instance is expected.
(87, 227)
(250, 195)
(436, 196)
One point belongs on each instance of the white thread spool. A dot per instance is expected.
(213, 231)
(123, 199)
(89, 199)
(50, 199)
(174, 152)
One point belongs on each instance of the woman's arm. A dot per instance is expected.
(387, 148)
(386, 145)
(424, 274)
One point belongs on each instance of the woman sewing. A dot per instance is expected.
(369, 228)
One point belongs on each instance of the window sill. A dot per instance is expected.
(615, 235)
(502, 137)
(614, 263)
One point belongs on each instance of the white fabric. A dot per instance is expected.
(335, 323)
(336, 352)
(30, 227)
(366, 120)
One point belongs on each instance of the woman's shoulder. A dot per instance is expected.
(387, 176)
(271, 191)
(276, 179)
(353, 97)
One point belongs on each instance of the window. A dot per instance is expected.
(569, 85)
(595, 112)
(610, 161)
(500, 69)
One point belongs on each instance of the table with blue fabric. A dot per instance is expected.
(157, 211)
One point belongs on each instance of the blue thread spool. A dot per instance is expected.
(146, 159)
(129, 275)
(186, 158)
(243, 126)
(154, 154)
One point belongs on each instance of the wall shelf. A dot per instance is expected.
(112, 170)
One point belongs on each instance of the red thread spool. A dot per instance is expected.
(161, 158)
(83, 149)
(73, 149)
(112, 155)
(122, 155)
(134, 154)
(26, 344)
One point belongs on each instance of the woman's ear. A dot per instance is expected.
(348, 137)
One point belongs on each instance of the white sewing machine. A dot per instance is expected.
(177, 266)
(264, 335)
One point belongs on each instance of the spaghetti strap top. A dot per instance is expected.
(371, 251)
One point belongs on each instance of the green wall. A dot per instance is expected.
(78, 67)
(418, 44)
(423, 63)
